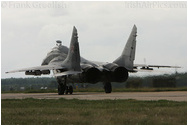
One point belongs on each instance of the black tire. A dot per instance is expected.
(70, 89)
(61, 89)
(67, 90)
(107, 87)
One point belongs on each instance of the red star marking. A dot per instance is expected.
(72, 49)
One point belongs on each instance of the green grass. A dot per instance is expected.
(84, 112)
(102, 90)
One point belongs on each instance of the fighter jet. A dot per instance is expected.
(69, 67)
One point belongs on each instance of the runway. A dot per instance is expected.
(170, 95)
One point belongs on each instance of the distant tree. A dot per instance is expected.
(134, 83)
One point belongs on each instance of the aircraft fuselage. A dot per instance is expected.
(92, 72)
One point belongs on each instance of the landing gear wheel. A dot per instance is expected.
(107, 87)
(67, 90)
(61, 89)
(61, 85)
(70, 89)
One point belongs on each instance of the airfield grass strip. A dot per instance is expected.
(84, 112)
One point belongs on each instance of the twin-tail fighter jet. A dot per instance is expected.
(69, 67)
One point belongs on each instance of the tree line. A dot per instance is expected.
(172, 80)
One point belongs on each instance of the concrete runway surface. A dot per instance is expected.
(170, 95)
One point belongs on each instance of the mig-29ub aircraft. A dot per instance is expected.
(69, 67)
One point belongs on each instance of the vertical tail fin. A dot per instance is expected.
(72, 60)
(128, 55)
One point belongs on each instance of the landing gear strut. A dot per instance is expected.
(62, 86)
(107, 87)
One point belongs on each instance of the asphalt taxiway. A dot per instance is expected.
(170, 95)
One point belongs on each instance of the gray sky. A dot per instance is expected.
(29, 30)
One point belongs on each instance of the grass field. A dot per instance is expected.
(62, 112)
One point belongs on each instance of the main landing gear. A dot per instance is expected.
(64, 89)
(62, 86)
(69, 89)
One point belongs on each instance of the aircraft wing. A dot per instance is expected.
(150, 67)
(71, 65)
(158, 66)
(41, 68)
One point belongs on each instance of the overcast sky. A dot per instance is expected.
(29, 31)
